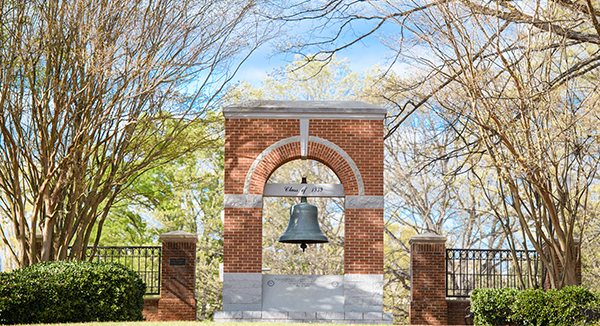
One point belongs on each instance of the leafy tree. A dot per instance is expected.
(184, 194)
(306, 80)
(95, 93)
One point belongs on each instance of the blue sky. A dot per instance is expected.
(262, 62)
(361, 57)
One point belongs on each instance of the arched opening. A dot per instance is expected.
(289, 259)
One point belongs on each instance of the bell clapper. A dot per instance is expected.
(303, 246)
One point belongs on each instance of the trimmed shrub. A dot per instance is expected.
(71, 291)
(492, 307)
(532, 307)
(571, 302)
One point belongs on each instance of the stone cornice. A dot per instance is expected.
(304, 109)
(178, 236)
(427, 238)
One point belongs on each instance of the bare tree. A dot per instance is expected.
(429, 188)
(537, 134)
(92, 94)
(590, 257)
(516, 83)
(409, 29)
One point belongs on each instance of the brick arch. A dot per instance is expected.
(319, 149)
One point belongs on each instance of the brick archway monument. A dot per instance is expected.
(260, 136)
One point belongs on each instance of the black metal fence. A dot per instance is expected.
(143, 260)
(468, 269)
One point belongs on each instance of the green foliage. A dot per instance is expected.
(184, 194)
(71, 291)
(491, 307)
(532, 307)
(571, 301)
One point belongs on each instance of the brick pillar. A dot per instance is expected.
(547, 283)
(428, 280)
(178, 267)
(242, 253)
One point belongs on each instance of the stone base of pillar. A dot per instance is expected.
(321, 317)
(344, 299)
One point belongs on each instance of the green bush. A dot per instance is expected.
(491, 307)
(532, 307)
(68, 291)
(571, 301)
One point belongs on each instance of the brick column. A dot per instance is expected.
(363, 248)
(242, 253)
(177, 301)
(428, 280)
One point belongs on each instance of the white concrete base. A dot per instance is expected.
(303, 293)
(242, 291)
(363, 293)
(346, 299)
(324, 317)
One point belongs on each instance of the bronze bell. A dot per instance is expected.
(303, 227)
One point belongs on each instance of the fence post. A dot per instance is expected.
(178, 267)
(428, 280)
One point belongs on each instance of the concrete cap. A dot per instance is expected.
(304, 109)
(178, 236)
(427, 237)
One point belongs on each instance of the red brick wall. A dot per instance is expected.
(362, 140)
(243, 241)
(428, 283)
(150, 312)
(457, 310)
(363, 248)
(245, 139)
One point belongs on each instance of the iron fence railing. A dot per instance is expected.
(143, 260)
(468, 269)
